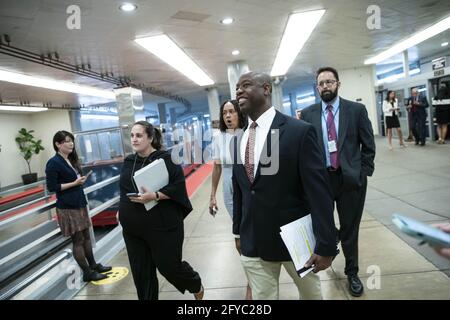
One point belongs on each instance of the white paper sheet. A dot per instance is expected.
(298, 236)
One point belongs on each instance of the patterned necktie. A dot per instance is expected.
(250, 152)
(332, 135)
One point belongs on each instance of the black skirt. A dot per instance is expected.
(443, 114)
(392, 122)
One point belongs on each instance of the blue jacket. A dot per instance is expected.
(59, 172)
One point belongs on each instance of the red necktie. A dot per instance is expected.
(250, 152)
(332, 135)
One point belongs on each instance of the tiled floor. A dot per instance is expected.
(413, 181)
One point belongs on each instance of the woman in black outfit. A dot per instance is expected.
(64, 176)
(442, 113)
(154, 239)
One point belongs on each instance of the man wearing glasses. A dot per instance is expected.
(345, 135)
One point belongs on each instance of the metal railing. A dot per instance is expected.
(27, 186)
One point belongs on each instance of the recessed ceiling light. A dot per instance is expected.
(128, 7)
(168, 51)
(235, 52)
(411, 41)
(444, 44)
(227, 21)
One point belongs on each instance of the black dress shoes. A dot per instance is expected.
(100, 268)
(93, 276)
(355, 286)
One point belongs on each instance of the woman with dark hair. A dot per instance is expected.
(64, 176)
(154, 238)
(231, 120)
(442, 113)
(390, 110)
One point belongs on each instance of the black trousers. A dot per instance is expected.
(419, 128)
(350, 205)
(160, 250)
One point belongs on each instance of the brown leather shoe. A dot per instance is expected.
(199, 295)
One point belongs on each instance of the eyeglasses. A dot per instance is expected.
(328, 83)
(70, 141)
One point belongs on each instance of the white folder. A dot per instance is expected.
(153, 177)
(300, 241)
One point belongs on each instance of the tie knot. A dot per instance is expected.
(253, 125)
(329, 107)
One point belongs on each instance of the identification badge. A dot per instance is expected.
(332, 146)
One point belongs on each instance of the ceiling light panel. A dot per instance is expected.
(298, 30)
(168, 51)
(411, 41)
(54, 85)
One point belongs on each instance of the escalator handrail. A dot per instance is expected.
(26, 282)
(27, 186)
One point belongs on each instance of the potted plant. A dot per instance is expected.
(28, 147)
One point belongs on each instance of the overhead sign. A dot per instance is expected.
(438, 63)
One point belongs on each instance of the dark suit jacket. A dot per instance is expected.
(423, 104)
(356, 145)
(274, 200)
(59, 172)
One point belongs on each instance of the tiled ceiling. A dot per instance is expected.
(106, 38)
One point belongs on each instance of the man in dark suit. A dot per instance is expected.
(278, 177)
(418, 104)
(345, 136)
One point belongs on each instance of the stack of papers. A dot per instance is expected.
(153, 177)
(300, 241)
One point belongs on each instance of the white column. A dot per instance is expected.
(277, 93)
(235, 70)
(358, 85)
(214, 106)
(128, 101)
(406, 63)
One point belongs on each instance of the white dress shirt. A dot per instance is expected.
(264, 123)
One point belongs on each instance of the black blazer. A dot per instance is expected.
(356, 144)
(298, 187)
(59, 172)
(423, 104)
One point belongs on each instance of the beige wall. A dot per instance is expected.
(45, 124)
(358, 83)
(11, 163)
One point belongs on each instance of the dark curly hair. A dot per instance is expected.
(241, 117)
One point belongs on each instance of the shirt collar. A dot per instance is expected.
(335, 105)
(265, 120)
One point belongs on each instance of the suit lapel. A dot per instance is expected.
(316, 121)
(271, 142)
(343, 122)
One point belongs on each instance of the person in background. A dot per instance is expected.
(64, 176)
(442, 113)
(345, 135)
(390, 110)
(418, 105)
(154, 238)
(231, 119)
